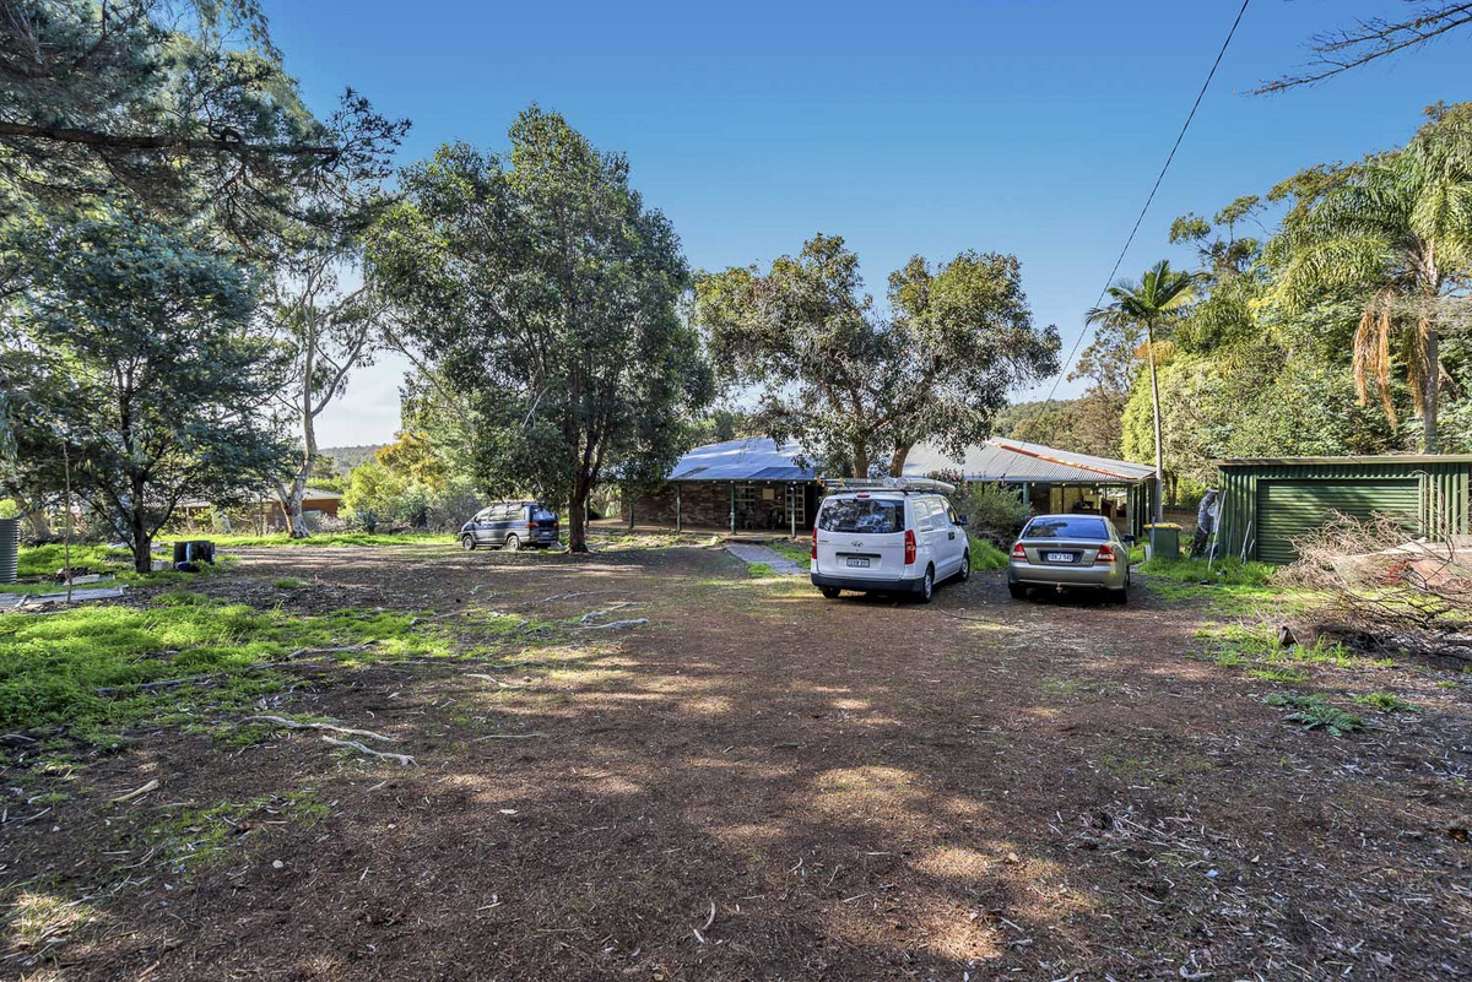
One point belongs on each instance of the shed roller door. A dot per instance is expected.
(1288, 509)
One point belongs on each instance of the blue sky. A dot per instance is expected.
(1033, 128)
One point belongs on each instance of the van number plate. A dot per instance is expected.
(1059, 557)
(855, 561)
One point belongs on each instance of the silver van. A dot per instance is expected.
(511, 525)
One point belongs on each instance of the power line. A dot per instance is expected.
(1150, 198)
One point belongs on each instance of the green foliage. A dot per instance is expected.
(1313, 713)
(1222, 572)
(83, 668)
(985, 556)
(546, 293)
(48, 559)
(1393, 234)
(1386, 702)
(196, 838)
(182, 108)
(856, 386)
(158, 384)
(991, 508)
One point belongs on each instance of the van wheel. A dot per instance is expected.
(965, 573)
(927, 586)
(831, 592)
(1018, 591)
(513, 544)
(467, 542)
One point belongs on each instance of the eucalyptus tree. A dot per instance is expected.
(1161, 297)
(541, 289)
(1394, 234)
(855, 384)
(163, 386)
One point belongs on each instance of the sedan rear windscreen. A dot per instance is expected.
(1067, 528)
(871, 516)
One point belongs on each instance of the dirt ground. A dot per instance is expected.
(761, 784)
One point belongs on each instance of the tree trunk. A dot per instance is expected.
(39, 525)
(141, 542)
(577, 520)
(861, 460)
(1432, 382)
(897, 462)
(1155, 412)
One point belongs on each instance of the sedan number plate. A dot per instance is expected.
(1059, 557)
(856, 561)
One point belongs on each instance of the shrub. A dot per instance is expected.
(992, 511)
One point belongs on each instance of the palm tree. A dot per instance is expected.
(1395, 234)
(1161, 296)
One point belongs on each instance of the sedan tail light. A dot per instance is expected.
(1018, 552)
(1106, 555)
(909, 547)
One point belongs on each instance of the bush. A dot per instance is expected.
(992, 511)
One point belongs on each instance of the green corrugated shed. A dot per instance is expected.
(1268, 501)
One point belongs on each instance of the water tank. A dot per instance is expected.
(9, 548)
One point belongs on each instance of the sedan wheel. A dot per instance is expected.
(513, 544)
(467, 542)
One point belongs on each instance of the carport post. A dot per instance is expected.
(733, 507)
(792, 510)
(678, 515)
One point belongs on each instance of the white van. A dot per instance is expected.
(885, 536)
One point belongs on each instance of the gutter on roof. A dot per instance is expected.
(1069, 463)
(1381, 459)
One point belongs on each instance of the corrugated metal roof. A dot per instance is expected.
(755, 458)
(1391, 459)
(1016, 460)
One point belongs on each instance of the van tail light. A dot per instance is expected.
(1018, 552)
(1106, 554)
(814, 553)
(909, 546)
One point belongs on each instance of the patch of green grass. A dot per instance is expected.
(1282, 676)
(328, 539)
(197, 837)
(798, 552)
(760, 571)
(1234, 645)
(289, 583)
(86, 668)
(1386, 702)
(985, 556)
(46, 560)
(1229, 584)
(1314, 713)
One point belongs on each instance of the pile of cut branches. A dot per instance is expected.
(1386, 592)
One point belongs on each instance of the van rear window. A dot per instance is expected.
(1059, 527)
(873, 516)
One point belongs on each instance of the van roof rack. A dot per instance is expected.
(901, 484)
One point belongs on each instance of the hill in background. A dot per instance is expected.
(347, 458)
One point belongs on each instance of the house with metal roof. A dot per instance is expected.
(1050, 480)
(751, 484)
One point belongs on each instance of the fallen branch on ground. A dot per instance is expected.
(293, 724)
(138, 792)
(404, 760)
(508, 736)
(616, 625)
